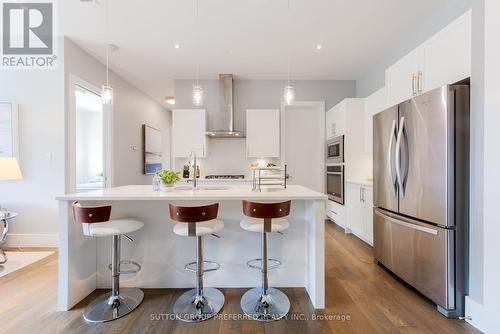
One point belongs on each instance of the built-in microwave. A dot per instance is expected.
(335, 150)
(335, 182)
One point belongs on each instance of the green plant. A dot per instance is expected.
(100, 174)
(168, 176)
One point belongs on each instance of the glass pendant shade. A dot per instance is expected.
(197, 95)
(289, 94)
(107, 95)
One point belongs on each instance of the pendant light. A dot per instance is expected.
(197, 89)
(289, 91)
(107, 90)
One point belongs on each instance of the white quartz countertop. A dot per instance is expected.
(231, 192)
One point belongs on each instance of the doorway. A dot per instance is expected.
(303, 143)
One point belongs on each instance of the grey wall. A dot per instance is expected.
(40, 96)
(263, 94)
(227, 156)
(374, 78)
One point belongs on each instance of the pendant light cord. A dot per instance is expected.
(107, 41)
(197, 45)
(288, 42)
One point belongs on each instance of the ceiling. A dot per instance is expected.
(247, 38)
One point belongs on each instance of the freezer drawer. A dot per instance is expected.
(420, 254)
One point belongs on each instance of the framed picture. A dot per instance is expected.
(152, 149)
(9, 130)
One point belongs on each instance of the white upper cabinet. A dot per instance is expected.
(402, 77)
(443, 59)
(336, 120)
(374, 104)
(188, 132)
(263, 133)
(447, 55)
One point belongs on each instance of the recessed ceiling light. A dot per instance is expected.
(170, 100)
(177, 46)
(319, 47)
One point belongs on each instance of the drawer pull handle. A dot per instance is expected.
(412, 226)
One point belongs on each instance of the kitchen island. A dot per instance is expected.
(83, 261)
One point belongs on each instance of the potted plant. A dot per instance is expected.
(168, 179)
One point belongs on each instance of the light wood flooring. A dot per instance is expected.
(363, 297)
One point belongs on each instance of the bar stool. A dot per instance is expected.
(200, 303)
(119, 302)
(265, 303)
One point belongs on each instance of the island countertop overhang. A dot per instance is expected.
(234, 192)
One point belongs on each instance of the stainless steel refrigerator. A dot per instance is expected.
(421, 186)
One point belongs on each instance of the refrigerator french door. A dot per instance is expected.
(421, 194)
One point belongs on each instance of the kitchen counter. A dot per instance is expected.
(83, 260)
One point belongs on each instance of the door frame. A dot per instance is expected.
(71, 137)
(321, 108)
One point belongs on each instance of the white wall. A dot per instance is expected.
(131, 109)
(483, 304)
(40, 96)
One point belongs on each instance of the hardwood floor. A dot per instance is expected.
(361, 298)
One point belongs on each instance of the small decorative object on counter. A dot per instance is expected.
(156, 182)
(168, 179)
(197, 171)
(269, 176)
(185, 172)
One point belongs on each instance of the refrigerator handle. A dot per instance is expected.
(389, 158)
(398, 156)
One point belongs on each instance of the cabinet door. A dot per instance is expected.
(263, 133)
(368, 203)
(355, 210)
(188, 132)
(400, 78)
(447, 55)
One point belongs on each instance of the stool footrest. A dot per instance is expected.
(257, 264)
(134, 267)
(207, 266)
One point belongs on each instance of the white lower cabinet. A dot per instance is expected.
(359, 211)
(336, 212)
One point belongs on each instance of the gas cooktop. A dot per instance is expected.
(225, 177)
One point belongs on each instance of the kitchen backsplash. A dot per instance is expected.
(225, 156)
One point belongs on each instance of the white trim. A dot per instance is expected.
(31, 240)
(71, 128)
(477, 315)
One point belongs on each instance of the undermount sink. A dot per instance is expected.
(203, 187)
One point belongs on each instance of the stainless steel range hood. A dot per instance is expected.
(224, 118)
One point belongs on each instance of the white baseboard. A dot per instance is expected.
(31, 240)
(480, 317)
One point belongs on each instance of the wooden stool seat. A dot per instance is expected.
(257, 224)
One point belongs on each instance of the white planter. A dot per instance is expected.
(167, 187)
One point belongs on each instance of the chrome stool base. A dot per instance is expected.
(188, 309)
(103, 308)
(272, 307)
